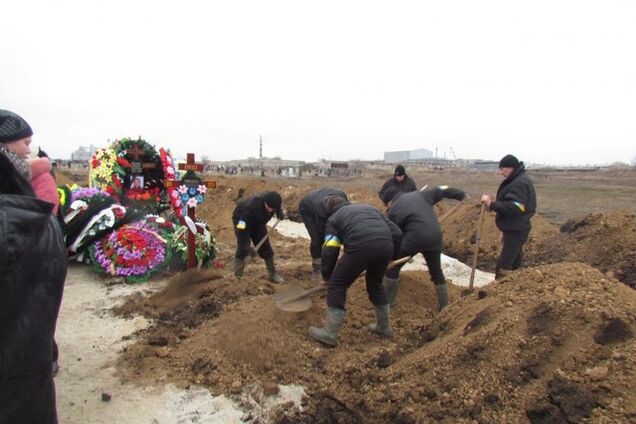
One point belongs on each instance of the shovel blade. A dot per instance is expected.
(291, 299)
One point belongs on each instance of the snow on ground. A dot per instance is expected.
(90, 337)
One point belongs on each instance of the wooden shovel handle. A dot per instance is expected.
(260, 243)
(480, 224)
(305, 293)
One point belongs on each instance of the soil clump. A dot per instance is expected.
(606, 241)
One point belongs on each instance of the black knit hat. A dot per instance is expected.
(13, 127)
(273, 200)
(399, 170)
(509, 161)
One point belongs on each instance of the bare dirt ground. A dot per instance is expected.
(547, 344)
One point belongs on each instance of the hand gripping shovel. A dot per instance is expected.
(254, 250)
(296, 299)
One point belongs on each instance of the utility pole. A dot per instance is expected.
(260, 150)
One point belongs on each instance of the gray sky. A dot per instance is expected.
(549, 81)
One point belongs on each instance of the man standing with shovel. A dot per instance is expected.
(250, 218)
(315, 209)
(413, 213)
(369, 239)
(515, 204)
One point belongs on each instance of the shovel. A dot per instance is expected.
(476, 252)
(296, 299)
(254, 250)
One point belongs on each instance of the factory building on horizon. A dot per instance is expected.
(407, 155)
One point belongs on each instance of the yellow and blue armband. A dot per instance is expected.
(241, 225)
(332, 241)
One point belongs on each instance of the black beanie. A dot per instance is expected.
(273, 200)
(13, 127)
(399, 170)
(509, 161)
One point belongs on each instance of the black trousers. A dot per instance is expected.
(372, 257)
(433, 263)
(512, 251)
(253, 234)
(315, 245)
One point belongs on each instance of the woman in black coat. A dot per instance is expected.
(32, 273)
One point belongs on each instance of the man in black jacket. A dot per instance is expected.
(369, 239)
(515, 204)
(313, 209)
(250, 218)
(32, 273)
(399, 181)
(413, 213)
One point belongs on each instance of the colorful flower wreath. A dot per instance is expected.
(110, 166)
(134, 251)
(205, 244)
(171, 174)
(184, 197)
(80, 198)
(169, 170)
(107, 171)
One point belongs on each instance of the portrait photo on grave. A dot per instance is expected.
(137, 182)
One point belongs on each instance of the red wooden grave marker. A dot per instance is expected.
(190, 177)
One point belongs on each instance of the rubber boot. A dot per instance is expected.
(383, 325)
(274, 276)
(239, 267)
(391, 289)
(442, 295)
(333, 322)
(316, 264)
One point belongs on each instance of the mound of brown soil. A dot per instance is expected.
(607, 241)
(549, 344)
(460, 234)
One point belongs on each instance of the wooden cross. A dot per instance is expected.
(137, 166)
(135, 152)
(190, 179)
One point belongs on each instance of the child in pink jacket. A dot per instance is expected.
(42, 180)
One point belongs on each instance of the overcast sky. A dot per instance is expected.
(549, 81)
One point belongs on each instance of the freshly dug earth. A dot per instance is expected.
(460, 231)
(606, 241)
(548, 344)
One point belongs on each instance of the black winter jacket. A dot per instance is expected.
(355, 224)
(407, 185)
(413, 213)
(516, 202)
(32, 273)
(313, 204)
(252, 211)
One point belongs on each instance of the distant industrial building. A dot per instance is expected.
(83, 154)
(407, 155)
